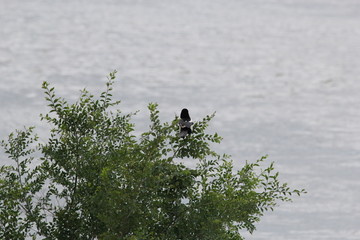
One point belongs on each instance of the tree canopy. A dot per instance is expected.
(95, 179)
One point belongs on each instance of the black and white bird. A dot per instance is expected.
(185, 123)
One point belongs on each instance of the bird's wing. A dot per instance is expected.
(188, 124)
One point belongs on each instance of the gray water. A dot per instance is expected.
(282, 75)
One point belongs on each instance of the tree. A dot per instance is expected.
(94, 179)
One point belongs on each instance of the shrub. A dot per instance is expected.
(94, 179)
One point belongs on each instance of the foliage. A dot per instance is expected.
(94, 179)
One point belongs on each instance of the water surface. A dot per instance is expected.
(282, 75)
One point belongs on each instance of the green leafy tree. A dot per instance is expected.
(95, 179)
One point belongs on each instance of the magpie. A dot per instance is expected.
(184, 123)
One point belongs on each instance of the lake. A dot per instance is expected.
(282, 75)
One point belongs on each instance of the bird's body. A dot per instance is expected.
(184, 123)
